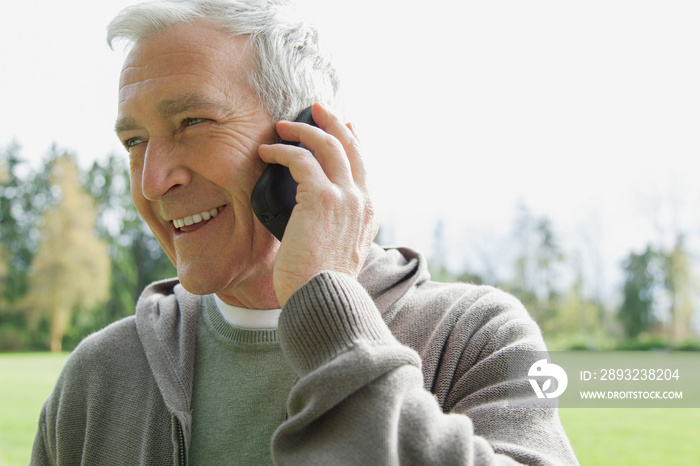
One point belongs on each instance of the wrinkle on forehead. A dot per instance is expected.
(202, 41)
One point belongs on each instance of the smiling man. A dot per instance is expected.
(193, 125)
(319, 349)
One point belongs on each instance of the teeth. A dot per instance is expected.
(196, 218)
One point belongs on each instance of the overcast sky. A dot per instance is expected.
(587, 111)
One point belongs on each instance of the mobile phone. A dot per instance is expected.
(274, 195)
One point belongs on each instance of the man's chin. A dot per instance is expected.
(198, 283)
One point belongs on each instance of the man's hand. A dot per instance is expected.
(333, 223)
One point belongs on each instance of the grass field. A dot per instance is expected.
(600, 436)
(634, 436)
(25, 382)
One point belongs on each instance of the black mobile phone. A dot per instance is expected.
(274, 195)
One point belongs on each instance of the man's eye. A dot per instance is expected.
(131, 142)
(193, 121)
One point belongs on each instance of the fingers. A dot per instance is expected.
(334, 144)
(346, 135)
(301, 163)
(328, 150)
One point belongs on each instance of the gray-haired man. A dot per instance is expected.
(321, 349)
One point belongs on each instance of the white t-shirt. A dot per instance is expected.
(250, 319)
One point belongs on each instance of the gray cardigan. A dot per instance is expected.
(394, 369)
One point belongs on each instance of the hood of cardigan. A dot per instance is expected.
(166, 322)
(167, 317)
(390, 274)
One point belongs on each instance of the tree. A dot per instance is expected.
(674, 220)
(136, 257)
(548, 258)
(639, 291)
(4, 269)
(437, 264)
(678, 286)
(70, 272)
(578, 320)
(537, 263)
(24, 194)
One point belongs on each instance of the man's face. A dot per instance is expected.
(192, 126)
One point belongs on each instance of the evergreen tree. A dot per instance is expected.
(4, 258)
(639, 292)
(24, 194)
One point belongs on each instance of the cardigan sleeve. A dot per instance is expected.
(360, 396)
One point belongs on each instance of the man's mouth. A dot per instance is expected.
(197, 218)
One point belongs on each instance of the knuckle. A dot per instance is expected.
(330, 197)
(331, 141)
(362, 204)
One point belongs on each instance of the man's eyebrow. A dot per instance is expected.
(171, 107)
(125, 124)
(190, 101)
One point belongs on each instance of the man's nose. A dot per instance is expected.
(164, 169)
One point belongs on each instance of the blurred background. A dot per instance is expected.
(548, 148)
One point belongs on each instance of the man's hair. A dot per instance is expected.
(289, 71)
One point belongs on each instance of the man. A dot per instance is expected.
(321, 349)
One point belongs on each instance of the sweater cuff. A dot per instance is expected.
(325, 317)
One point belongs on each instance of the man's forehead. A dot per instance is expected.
(195, 44)
(171, 64)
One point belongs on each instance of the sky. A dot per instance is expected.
(586, 112)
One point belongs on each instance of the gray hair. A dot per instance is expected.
(289, 69)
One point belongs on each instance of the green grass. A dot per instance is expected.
(621, 436)
(634, 436)
(26, 380)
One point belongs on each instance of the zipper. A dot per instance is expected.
(181, 454)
